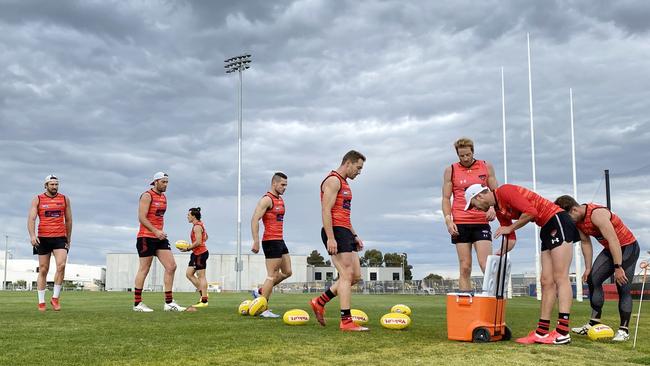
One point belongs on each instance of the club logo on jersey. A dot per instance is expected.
(160, 212)
(346, 193)
(347, 204)
(53, 213)
(279, 217)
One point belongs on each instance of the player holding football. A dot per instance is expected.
(54, 237)
(467, 228)
(340, 238)
(199, 257)
(270, 209)
(152, 241)
(557, 234)
(618, 258)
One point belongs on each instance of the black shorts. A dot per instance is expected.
(147, 247)
(274, 248)
(470, 233)
(47, 245)
(199, 261)
(345, 240)
(559, 229)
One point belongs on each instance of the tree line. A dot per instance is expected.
(370, 258)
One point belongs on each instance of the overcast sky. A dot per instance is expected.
(104, 94)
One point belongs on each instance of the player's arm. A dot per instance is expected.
(262, 205)
(31, 222)
(521, 204)
(602, 220)
(511, 237)
(330, 188)
(447, 189)
(143, 208)
(492, 184)
(198, 235)
(68, 221)
(587, 254)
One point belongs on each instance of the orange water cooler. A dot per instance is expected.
(476, 318)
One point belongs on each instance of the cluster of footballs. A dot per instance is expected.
(397, 318)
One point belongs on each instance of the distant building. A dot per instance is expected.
(122, 267)
(317, 273)
(22, 274)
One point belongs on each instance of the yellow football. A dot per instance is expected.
(257, 306)
(359, 317)
(395, 321)
(401, 308)
(181, 244)
(295, 317)
(243, 307)
(600, 332)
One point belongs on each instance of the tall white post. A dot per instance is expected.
(577, 250)
(238, 264)
(4, 282)
(532, 147)
(505, 155)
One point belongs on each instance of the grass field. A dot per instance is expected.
(100, 329)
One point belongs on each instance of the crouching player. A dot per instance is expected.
(557, 234)
(199, 257)
(618, 258)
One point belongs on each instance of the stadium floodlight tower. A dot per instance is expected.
(238, 64)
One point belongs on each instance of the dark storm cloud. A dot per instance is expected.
(104, 94)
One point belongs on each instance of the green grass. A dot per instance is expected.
(100, 329)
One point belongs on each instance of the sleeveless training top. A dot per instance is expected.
(51, 216)
(461, 178)
(273, 219)
(623, 233)
(201, 248)
(343, 205)
(155, 215)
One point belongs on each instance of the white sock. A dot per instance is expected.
(41, 296)
(57, 291)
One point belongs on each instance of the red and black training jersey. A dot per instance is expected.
(201, 248)
(273, 218)
(155, 215)
(512, 201)
(461, 178)
(51, 216)
(343, 205)
(623, 233)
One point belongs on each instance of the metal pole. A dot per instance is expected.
(532, 147)
(577, 250)
(403, 273)
(505, 155)
(607, 192)
(503, 122)
(239, 141)
(644, 265)
(4, 282)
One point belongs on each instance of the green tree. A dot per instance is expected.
(372, 258)
(395, 260)
(431, 278)
(315, 259)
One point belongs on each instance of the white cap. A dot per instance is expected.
(472, 191)
(159, 175)
(50, 178)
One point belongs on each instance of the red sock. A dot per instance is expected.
(168, 297)
(204, 299)
(542, 327)
(562, 323)
(325, 297)
(138, 296)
